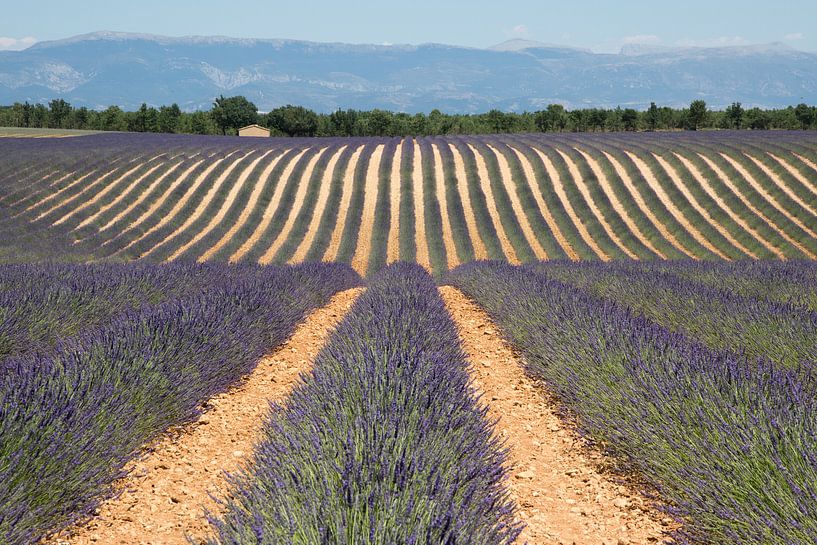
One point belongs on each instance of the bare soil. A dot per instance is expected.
(395, 182)
(778, 181)
(445, 220)
(556, 478)
(141, 197)
(360, 259)
(164, 498)
(808, 184)
(516, 204)
(419, 210)
(480, 252)
(343, 210)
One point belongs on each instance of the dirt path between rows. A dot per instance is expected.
(331, 252)
(644, 207)
(808, 184)
(440, 186)
(617, 205)
(490, 204)
(480, 251)
(360, 259)
(166, 493)
(559, 189)
(420, 240)
(395, 182)
(562, 496)
(751, 206)
(516, 203)
(530, 176)
(709, 190)
(778, 181)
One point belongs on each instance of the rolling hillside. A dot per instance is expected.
(437, 201)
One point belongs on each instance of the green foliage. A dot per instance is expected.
(233, 113)
(293, 121)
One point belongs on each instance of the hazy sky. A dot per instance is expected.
(599, 25)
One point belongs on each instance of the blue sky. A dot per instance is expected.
(602, 26)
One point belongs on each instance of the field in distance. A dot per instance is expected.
(436, 201)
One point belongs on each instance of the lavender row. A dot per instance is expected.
(71, 419)
(385, 442)
(728, 442)
(780, 332)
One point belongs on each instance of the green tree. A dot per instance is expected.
(169, 118)
(696, 116)
(342, 122)
(652, 117)
(293, 120)
(734, 115)
(757, 119)
(629, 118)
(113, 119)
(232, 113)
(58, 113)
(804, 115)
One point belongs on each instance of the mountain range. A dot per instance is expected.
(106, 68)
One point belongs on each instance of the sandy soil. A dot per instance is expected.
(165, 496)
(124, 194)
(393, 245)
(420, 239)
(516, 204)
(773, 176)
(177, 207)
(320, 206)
(480, 252)
(616, 203)
(808, 184)
(157, 203)
(23, 192)
(448, 234)
(644, 207)
(213, 189)
(89, 201)
(807, 162)
(563, 495)
(295, 210)
(360, 259)
(225, 207)
(142, 197)
(722, 175)
(260, 184)
(272, 206)
(559, 188)
(331, 252)
(110, 172)
(704, 183)
(573, 169)
(530, 176)
(490, 203)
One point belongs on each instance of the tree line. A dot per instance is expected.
(228, 114)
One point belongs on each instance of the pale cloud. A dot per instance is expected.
(16, 44)
(720, 41)
(642, 39)
(794, 36)
(520, 30)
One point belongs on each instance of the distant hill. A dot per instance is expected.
(100, 69)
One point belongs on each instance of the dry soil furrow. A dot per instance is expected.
(516, 204)
(480, 252)
(393, 241)
(685, 191)
(180, 204)
(202, 206)
(645, 208)
(297, 204)
(758, 187)
(598, 172)
(110, 172)
(555, 480)
(421, 242)
(360, 259)
(655, 185)
(331, 252)
(157, 204)
(774, 177)
(25, 190)
(807, 162)
(141, 198)
(750, 205)
(269, 212)
(104, 191)
(226, 205)
(573, 169)
(448, 233)
(252, 202)
(704, 183)
(317, 215)
(530, 176)
(164, 497)
(490, 203)
(559, 188)
(121, 196)
(808, 184)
